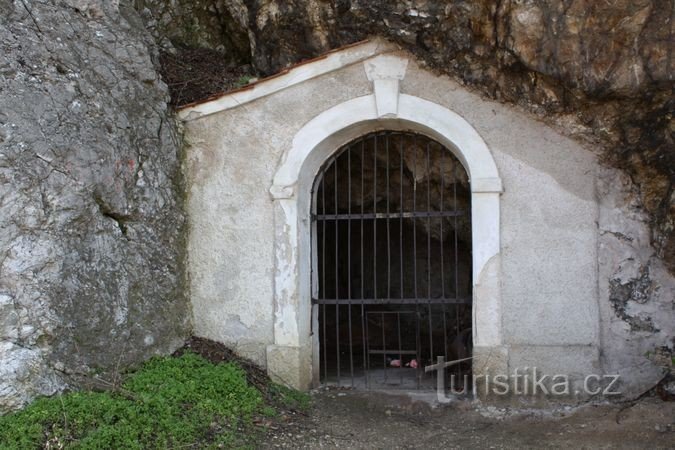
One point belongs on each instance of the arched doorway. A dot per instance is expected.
(392, 263)
(294, 357)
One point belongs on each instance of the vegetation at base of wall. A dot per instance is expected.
(287, 398)
(186, 401)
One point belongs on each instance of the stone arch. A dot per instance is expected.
(292, 358)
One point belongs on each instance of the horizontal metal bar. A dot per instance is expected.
(391, 301)
(389, 312)
(390, 215)
(392, 352)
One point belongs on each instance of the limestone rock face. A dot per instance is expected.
(91, 228)
(601, 72)
(598, 71)
(196, 24)
(637, 291)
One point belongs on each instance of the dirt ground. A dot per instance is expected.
(358, 419)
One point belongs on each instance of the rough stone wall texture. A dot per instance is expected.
(90, 222)
(195, 24)
(581, 291)
(91, 228)
(636, 289)
(599, 71)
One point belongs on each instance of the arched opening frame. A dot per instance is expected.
(293, 358)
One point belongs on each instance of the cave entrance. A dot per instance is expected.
(392, 263)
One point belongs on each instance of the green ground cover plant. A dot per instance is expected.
(170, 402)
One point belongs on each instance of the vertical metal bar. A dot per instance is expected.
(418, 348)
(415, 220)
(324, 373)
(349, 260)
(386, 143)
(418, 343)
(400, 354)
(323, 275)
(363, 277)
(367, 352)
(442, 219)
(454, 195)
(417, 309)
(400, 243)
(375, 220)
(384, 348)
(400, 231)
(431, 329)
(375, 223)
(337, 265)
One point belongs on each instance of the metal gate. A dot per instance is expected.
(392, 261)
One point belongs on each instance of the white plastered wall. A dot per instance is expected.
(251, 164)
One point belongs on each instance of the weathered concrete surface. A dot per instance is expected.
(230, 210)
(559, 309)
(91, 228)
